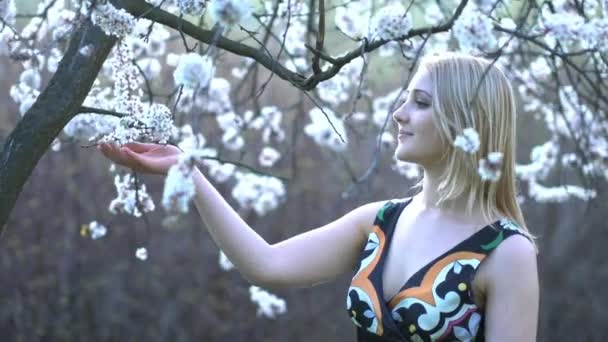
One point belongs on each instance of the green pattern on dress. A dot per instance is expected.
(494, 243)
(381, 211)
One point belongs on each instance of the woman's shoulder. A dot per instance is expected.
(379, 211)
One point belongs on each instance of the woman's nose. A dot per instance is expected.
(399, 115)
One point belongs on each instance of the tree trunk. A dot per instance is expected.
(54, 108)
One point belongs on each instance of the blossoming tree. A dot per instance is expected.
(102, 58)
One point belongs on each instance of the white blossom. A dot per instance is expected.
(490, 168)
(543, 157)
(269, 156)
(86, 50)
(141, 253)
(155, 124)
(352, 18)
(468, 141)
(194, 71)
(220, 172)
(268, 121)
(188, 140)
(126, 202)
(269, 305)
(432, 13)
(113, 21)
(391, 22)
(322, 131)
(260, 193)
(192, 7)
(407, 169)
(560, 193)
(8, 11)
(84, 127)
(97, 230)
(179, 188)
(229, 12)
(473, 30)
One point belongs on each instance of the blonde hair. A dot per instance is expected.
(472, 92)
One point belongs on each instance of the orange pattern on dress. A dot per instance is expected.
(362, 279)
(422, 291)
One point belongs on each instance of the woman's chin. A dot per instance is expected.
(403, 156)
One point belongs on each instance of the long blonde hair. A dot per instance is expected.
(472, 92)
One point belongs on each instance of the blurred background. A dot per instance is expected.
(57, 285)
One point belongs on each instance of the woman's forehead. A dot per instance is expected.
(421, 81)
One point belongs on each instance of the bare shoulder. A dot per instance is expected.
(366, 214)
(513, 291)
(514, 260)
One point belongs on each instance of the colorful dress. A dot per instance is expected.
(436, 303)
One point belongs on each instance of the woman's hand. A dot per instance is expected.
(147, 158)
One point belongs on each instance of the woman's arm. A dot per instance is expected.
(302, 261)
(512, 292)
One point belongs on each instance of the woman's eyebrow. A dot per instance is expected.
(418, 91)
(423, 92)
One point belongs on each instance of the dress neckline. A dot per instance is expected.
(426, 266)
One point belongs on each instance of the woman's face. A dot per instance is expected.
(418, 139)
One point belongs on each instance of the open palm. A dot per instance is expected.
(141, 157)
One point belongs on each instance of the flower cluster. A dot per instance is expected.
(87, 126)
(27, 90)
(335, 90)
(230, 12)
(352, 19)
(391, 22)
(269, 305)
(179, 184)
(232, 125)
(191, 7)
(473, 30)
(94, 229)
(179, 188)
(126, 200)
(154, 124)
(214, 99)
(407, 169)
(323, 132)
(113, 21)
(260, 193)
(194, 71)
(8, 11)
(490, 168)
(268, 121)
(188, 140)
(468, 141)
(561, 193)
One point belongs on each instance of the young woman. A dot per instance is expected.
(455, 262)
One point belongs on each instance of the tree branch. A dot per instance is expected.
(140, 8)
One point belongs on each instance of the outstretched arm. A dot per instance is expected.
(304, 260)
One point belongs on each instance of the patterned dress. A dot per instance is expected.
(436, 303)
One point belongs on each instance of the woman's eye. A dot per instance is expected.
(422, 104)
